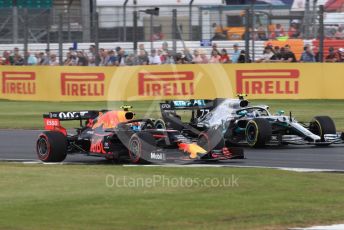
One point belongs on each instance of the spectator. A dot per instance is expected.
(179, 58)
(236, 53)
(169, 58)
(288, 55)
(293, 31)
(15, 53)
(204, 57)
(215, 57)
(154, 59)
(18, 59)
(53, 60)
(93, 56)
(40, 58)
(157, 36)
(307, 55)
(162, 56)
(268, 55)
(332, 56)
(214, 48)
(340, 33)
(111, 59)
(224, 57)
(82, 60)
(142, 58)
(130, 60)
(340, 55)
(68, 60)
(103, 57)
(277, 52)
(6, 58)
(46, 58)
(261, 33)
(121, 57)
(30, 59)
(278, 32)
(197, 57)
(142, 47)
(242, 57)
(165, 47)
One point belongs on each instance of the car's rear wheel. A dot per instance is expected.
(51, 147)
(140, 146)
(258, 132)
(321, 125)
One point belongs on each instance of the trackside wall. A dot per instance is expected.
(259, 81)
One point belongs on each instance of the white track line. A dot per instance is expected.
(330, 227)
(29, 161)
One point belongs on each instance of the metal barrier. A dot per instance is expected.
(79, 21)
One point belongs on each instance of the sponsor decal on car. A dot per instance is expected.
(166, 84)
(68, 115)
(97, 146)
(157, 156)
(269, 81)
(18, 83)
(82, 84)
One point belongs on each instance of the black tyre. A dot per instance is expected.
(321, 125)
(140, 146)
(258, 132)
(211, 140)
(51, 147)
(160, 124)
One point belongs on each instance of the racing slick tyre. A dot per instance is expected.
(51, 147)
(160, 124)
(211, 140)
(258, 132)
(140, 146)
(321, 125)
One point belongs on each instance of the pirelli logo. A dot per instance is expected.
(82, 84)
(280, 81)
(22, 83)
(166, 84)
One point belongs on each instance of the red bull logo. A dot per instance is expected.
(19, 83)
(166, 84)
(268, 81)
(82, 84)
(191, 148)
(110, 119)
(97, 146)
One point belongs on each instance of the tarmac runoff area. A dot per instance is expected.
(19, 146)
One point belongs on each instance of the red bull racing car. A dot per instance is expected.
(117, 136)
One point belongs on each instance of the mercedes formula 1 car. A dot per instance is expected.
(117, 136)
(244, 124)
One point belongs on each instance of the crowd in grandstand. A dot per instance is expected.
(119, 57)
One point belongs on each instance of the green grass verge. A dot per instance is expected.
(76, 197)
(28, 115)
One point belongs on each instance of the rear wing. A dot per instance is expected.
(70, 115)
(193, 104)
(52, 120)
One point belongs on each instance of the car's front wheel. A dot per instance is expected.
(258, 132)
(321, 125)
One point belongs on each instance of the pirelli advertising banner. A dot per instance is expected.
(259, 81)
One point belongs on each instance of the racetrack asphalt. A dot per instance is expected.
(19, 145)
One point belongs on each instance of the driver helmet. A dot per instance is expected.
(136, 126)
